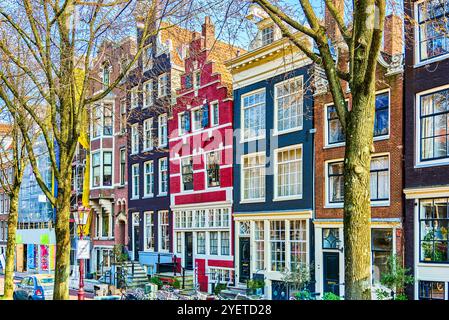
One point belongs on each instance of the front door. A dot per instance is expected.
(188, 250)
(331, 272)
(245, 258)
(136, 235)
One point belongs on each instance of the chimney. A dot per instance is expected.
(393, 35)
(208, 33)
(329, 21)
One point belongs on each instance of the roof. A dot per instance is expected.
(178, 36)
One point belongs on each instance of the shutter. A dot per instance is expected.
(205, 120)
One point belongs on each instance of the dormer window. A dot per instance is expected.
(267, 35)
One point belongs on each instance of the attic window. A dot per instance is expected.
(267, 35)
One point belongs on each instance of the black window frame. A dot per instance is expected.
(430, 297)
(329, 119)
(331, 175)
(381, 109)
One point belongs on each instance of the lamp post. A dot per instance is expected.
(80, 216)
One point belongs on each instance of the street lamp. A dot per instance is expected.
(80, 216)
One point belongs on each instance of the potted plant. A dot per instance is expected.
(396, 278)
(255, 286)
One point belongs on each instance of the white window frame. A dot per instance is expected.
(180, 120)
(146, 176)
(418, 162)
(385, 136)
(148, 126)
(206, 174)
(242, 178)
(326, 128)
(192, 117)
(182, 176)
(162, 88)
(133, 176)
(242, 117)
(160, 177)
(135, 138)
(148, 93)
(134, 97)
(122, 183)
(212, 113)
(276, 106)
(145, 237)
(159, 226)
(276, 163)
(159, 128)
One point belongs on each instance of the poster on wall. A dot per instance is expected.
(52, 257)
(31, 262)
(44, 257)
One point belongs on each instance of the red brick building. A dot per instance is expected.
(200, 143)
(108, 143)
(386, 171)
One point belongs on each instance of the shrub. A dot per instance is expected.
(330, 296)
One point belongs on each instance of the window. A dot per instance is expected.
(164, 231)
(335, 132)
(187, 173)
(96, 124)
(162, 89)
(163, 176)
(298, 244)
(214, 114)
(122, 166)
(381, 120)
(253, 106)
(197, 119)
(259, 238)
(107, 119)
(331, 238)
(201, 243)
(336, 182)
(433, 25)
(219, 275)
(197, 79)
(134, 98)
(213, 169)
(149, 57)
(224, 243)
(431, 290)
(162, 122)
(277, 242)
(253, 177)
(201, 219)
(184, 122)
(96, 169)
(149, 179)
(135, 184)
(148, 134)
(382, 249)
(434, 221)
(107, 168)
(289, 173)
(135, 138)
(106, 75)
(148, 94)
(213, 242)
(149, 230)
(289, 105)
(267, 35)
(379, 180)
(178, 242)
(123, 119)
(434, 125)
(105, 223)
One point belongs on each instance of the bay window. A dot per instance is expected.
(96, 169)
(107, 168)
(277, 244)
(148, 178)
(107, 119)
(149, 231)
(96, 123)
(253, 116)
(433, 23)
(434, 112)
(434, 235)
(187, 173)
(288, 180)
(253, 175)
(135, 181)
(213, 169)
(289, 105)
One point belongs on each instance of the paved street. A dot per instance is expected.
(73, 293)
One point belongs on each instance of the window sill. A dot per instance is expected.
(252, 139)
(432, 163)
(433, 264)
(279, 133)
(162, 194)
(148, 196)
(147, 150)
(382, 203)
(431, 60)
(134, 198)
(338, 205)
(252, 201)
(380, 138)
(334, 145)
(298, 197)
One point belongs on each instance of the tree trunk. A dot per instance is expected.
(357, 207)
(11, 245)
(62, 272)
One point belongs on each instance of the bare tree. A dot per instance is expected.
(358, 43)
(58, 40)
